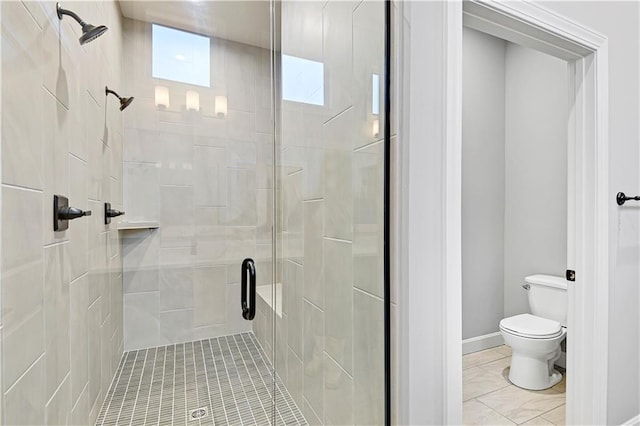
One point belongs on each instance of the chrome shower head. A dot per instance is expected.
(124, 102)
(89, 32)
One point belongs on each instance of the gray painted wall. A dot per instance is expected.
(483, 127)
(514, 157)
(535, 226)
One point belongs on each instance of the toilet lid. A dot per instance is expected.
(528, 325)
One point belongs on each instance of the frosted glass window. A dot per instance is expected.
(375, 90)
(302, 80)
(181, 56)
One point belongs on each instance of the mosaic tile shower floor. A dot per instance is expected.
(229, 377)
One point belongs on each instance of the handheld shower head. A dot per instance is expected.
(89, 32)
(124, 102)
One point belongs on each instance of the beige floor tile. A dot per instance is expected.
(520, 405)
(499, 367)
(476, 382)
(504, 349)
(562, 385)
(538, 421)
(556, 416)
(481, 357)
(475, 413)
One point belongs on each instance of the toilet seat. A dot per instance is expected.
(531, 326)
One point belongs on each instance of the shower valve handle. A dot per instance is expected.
(109, 213)
(114, 213)
(69, 213)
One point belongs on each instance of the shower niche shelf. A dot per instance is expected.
(132, 226)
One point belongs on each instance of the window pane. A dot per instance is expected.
(181, 56)
(302, 80)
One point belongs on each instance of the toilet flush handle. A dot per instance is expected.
(526, 286)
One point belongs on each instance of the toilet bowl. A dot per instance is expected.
(535, 344)
(535, 338)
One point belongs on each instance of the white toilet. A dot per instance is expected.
(535, 338)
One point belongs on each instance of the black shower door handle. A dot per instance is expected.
(248, 310)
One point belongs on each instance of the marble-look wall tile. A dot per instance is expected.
(142, 316)
(58, 137)
(210, 235)
(295, 377)
(368, 60)
(142, 191)
(80, 410)
(177, 159)
(78, 230)
(56, 316)
(210, 176)
(140, 256)
(265, 160)
(56, 167)
(95, 360)
(264, 212)
(22, 153)
(241, 197)
(176, 216)
(240, 72)
(176, 326)
(314, 252)
(293, 281)
(176, 287)
(310, 416)
(338, 196)
(209, 296)
(241, 125)
(313, 165)
(78, 335)
(338, 284)
(338, 58)
(59, 405)
(313, 357)
(368, 219)
(141, 146)
(368, 356)
(22, 283)
(338, 394)
(24, 403)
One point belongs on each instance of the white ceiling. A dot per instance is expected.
(242, 21)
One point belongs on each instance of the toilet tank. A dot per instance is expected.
(548, 297)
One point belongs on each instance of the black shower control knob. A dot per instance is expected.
(114, 213)
(69, 213)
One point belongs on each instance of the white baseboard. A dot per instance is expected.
(632, 422)
(480, 343)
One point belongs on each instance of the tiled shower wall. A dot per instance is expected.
(329, 340)
(61, 292)
(208, 181)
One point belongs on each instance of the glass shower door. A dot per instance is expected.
(330, 164)
(199, 148)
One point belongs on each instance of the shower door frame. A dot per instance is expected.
(433, 228)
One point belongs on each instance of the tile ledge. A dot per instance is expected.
(128, 226)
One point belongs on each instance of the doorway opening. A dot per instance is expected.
(514, 232)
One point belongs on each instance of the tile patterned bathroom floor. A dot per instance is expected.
(230, 377)
(490, 399)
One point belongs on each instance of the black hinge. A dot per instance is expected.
(571, 275)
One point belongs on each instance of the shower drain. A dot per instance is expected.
(198, 413)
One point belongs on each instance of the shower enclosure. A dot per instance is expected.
(254, 153)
